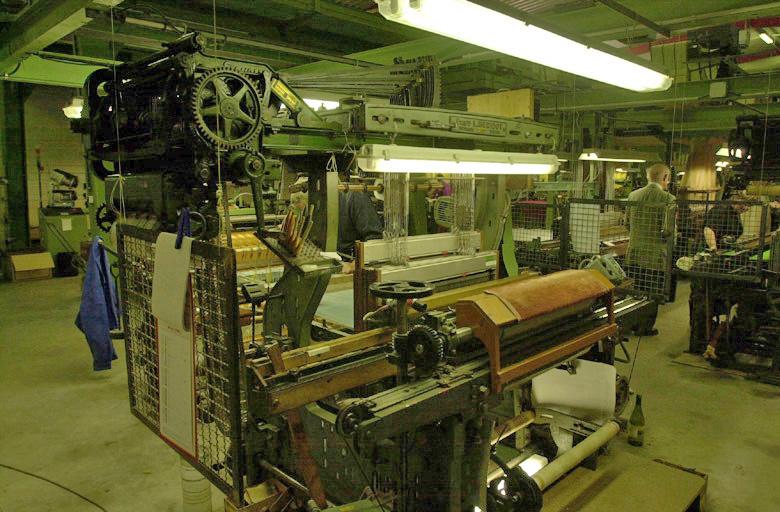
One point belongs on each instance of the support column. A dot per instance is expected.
(13, 214)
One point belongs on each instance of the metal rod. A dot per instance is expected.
(284, 477)
(553, 471)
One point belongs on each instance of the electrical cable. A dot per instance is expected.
(633, 361)
(224, 217)
(55, 484)
(766, 122)
(122, 210)
(363, 472)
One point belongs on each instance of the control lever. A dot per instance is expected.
(418, 306)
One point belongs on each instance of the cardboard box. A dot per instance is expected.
(26, 267)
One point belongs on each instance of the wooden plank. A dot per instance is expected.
(624, 481)
(319, 352)
(298, 395)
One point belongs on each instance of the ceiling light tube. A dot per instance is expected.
(616, 155)
(408, 159)
(765, 37)
(480, 26)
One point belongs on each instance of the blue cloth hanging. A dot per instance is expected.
(99, 311)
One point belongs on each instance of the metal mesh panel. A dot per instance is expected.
(540, 234)
(722, 239)
(217, 352)
(640, 235)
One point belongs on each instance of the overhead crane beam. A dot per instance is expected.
(46, 22)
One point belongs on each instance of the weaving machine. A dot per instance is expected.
(402, 417)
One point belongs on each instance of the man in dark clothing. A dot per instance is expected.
(358, 220)
(723, 222)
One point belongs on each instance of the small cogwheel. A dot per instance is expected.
(424, 347)
(105, 217)
(226, 108)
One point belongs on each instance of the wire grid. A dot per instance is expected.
(396, 213)
(463, 225)
(639, 235)
(217, 356)
(736, 230)
(539, 234)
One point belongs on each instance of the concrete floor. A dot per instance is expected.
(62, 421)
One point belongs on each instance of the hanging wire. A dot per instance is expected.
(224, 215)
(122, 211)
(674, 103)
(766, 122)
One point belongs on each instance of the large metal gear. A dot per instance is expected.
(424, 347)
(226, 108)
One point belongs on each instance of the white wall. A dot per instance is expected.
(47, 128)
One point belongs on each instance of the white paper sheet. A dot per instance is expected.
(169, 284)
(170, 306)
(67, 224)
(177, 387)
(588, 394)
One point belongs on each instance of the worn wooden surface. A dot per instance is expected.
(627, 482)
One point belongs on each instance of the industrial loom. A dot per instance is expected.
(403, 417)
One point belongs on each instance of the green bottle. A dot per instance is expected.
(636, 424)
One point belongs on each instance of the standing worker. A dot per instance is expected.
(358, 220)
(650, 217)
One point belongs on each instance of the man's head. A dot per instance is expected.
(660, 174)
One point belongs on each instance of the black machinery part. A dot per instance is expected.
(349, 418)
(105, 217)
(519, 494)
(401, 290)
(226, 107)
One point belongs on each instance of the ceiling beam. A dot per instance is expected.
(353, 16)
(42, 25)
(638, 18)
(695, 120)
(600, 23)
(741, 87)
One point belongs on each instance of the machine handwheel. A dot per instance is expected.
(401, 290)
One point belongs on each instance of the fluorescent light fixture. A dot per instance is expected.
(317, 104)
(408, 159)
(616, 155)
(724, 151)
(480, 26)
(73, 111)
(766, 37)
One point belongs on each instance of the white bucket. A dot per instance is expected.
(195, 489)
